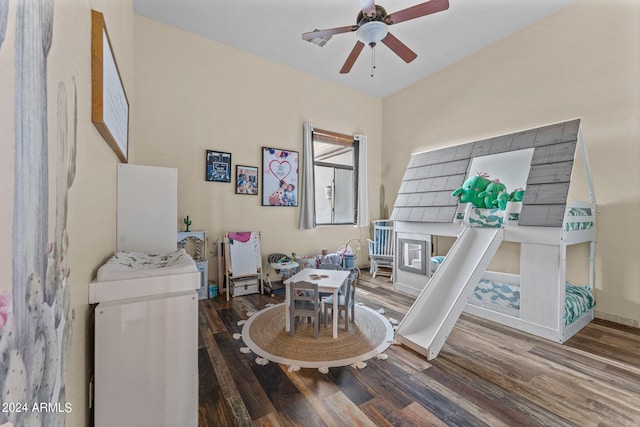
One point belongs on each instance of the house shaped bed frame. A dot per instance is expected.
(539, 298)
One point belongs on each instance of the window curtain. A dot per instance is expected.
(307, 196)
(362, 206)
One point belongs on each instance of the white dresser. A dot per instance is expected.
(146, 329)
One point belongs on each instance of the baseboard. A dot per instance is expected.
(618, 319)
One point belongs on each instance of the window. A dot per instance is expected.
(412, 255)
(334, 168)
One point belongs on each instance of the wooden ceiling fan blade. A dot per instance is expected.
(328, 32)
(351, 59)
(368, 7)
(399, 48)
(417, 11)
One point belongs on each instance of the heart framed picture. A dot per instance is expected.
(279, 177)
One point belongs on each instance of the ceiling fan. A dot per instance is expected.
(372, 27)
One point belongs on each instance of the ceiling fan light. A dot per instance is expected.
(372, 32)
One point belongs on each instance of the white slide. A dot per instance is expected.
(432, 316)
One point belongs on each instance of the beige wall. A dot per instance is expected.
(188, 94)
(194, 94)
(582, 62)
(91, 208)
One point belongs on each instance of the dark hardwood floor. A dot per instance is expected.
(485, 375)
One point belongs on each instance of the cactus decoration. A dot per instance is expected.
(36, 325)
(187, 222)
(492, 195)
(471, 189)
(484, 193)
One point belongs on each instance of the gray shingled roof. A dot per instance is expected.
(431, 177)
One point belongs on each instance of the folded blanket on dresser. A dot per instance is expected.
(134, 265)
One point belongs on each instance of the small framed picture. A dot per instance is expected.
(218, 166)
(247, 180)
(279, 177)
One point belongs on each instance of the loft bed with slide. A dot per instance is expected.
(512, 188)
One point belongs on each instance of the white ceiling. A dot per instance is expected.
(272, 29)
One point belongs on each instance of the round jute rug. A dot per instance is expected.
(368, 336)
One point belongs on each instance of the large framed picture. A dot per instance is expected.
(218, 166)
(279, 177)
(246, 180)
(109, 103)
